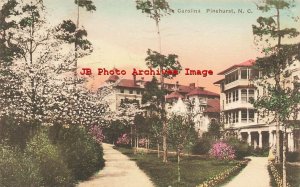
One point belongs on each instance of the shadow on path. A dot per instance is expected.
(119, 171)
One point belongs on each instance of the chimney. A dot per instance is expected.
(134, 80)
(142, 82)
(192, 85)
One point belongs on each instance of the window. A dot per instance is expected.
(122, 90)
(250, 95)
(229, 97)
(244, 74)
(244, 95)
(235, 95)
(231, 77)
(235, 116)
(226, 97)
(251, 115)
(130, 91)
(244, 116)
(138, 92)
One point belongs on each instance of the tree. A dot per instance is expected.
(38, 89)
(214, 129)
(279, 101)
(152, 99)
(156, 9)
(170, 62)
(180, 131)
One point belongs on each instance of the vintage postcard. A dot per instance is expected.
(142, 93)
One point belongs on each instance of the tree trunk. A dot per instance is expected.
(284, 182)
(278, 155)
(277, 87)
(131, 138)
(178, 165)
(158, 150)
(137, 141)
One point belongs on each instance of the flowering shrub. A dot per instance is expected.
(142, 142)
(123, 140)
(97, 133)
(221, 150)
(220, 178)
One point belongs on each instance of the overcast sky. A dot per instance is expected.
(121, 35)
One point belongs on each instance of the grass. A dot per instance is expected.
(293, 175)
(194, 170)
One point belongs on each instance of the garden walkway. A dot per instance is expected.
(255, 174)
(119, 171)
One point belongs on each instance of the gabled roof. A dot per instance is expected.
(219, 81)
(213, 106)
(247, 63)
(174, 95)
(198, 91)
(127, 83)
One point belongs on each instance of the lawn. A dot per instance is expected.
(293, 174)
(194, 170)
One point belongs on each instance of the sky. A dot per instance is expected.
(121, 35)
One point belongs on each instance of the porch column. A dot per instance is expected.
(249, 138)
(260, 139)
(271, 139)
(239, 135)
(291, 141)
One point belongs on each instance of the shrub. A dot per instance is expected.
(221, 150)
(259, 151)
(52, 168)
(202, 146)
(97, 133)
(123, 140)
(16, 169)
(240, 147)
(83, 155)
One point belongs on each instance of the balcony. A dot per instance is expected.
(239, 82)
(238, 104)
(239, 124)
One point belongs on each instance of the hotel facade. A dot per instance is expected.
(203, 104)
(238, 114)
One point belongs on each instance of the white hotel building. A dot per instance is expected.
(238, 114)
(205, 104)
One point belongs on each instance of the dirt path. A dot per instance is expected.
(254, 175)
(119, 171)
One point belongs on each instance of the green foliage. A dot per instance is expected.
(8, 51)
(180, 131)
(242, 148)
(214, 129)
(17, 169)
(264, 152)
(13, 133)
(67, 31)
(155, 9)
(158, 60)
(52, 168)
(194, 170)
(153, 96)
(83, 155)
(87, 4)
(202, 146)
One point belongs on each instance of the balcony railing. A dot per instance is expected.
(239, 82)
(237, 104)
